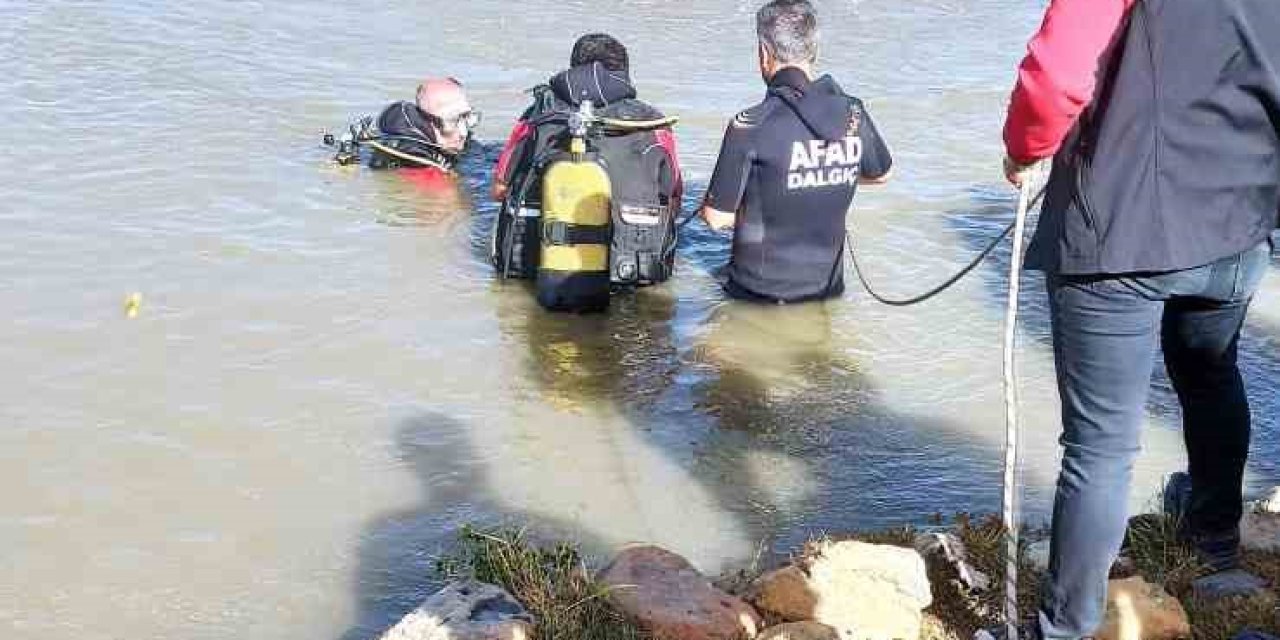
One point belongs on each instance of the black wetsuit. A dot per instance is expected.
(789, 168)
(404, 129)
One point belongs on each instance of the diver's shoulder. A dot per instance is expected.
(635, 109)
(755, 115)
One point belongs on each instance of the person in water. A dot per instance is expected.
(789, 168)
(637, 149)
(604, 62)
(425, 137)
(434, 128)
(1160, 117)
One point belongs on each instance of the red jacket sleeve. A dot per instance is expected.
(519, 133)
(1057, 78)
(667, 138)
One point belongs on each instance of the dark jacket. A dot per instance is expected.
(1176, 163)
(789, 168)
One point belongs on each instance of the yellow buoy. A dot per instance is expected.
(131, 305)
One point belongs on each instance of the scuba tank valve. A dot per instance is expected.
(578, 122)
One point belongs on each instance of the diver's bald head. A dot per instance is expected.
(445, 99)
(442, 97)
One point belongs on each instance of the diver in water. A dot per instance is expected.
(637, 149)
(425, 136)
(789, 168)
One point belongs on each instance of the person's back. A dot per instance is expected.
(789, 168)
(641, 162)
(1200, 162)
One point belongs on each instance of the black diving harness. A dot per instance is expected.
(586, 123)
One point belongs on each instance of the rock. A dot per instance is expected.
(467, 610)
(1260, 531)
(800, 631)
(663, 593)
(863, 591)
(1037, 555)
(1269, 504)
(784, 593)
(1229, 584)
(1254, 635)
(1137, 610)
(948, 548)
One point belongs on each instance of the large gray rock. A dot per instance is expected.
(666, 596)
(1254, 635)
(1229, 584)
(467, 610)
(863, 591)
(1260, 531)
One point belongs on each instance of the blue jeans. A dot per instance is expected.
(1105, 332)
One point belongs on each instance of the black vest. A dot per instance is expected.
(1177, 161)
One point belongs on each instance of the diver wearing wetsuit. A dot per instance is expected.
(426, 135)
(789, 168)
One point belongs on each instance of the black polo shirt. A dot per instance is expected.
(789, 168)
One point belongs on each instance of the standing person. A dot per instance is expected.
(789, 167)
(1164, 190)
(638, 151)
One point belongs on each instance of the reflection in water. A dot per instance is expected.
(626, 357)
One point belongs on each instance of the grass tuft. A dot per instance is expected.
(552, 582)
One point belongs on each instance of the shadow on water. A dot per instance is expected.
(1259, 359)
(398, 551)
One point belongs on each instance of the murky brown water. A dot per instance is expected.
(324, 380)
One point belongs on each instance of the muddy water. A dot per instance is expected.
(324, 380)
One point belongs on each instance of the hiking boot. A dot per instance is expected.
(1218, 551)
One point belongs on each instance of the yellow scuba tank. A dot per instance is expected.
(573, 272)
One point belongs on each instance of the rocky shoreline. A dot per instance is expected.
(943, 583)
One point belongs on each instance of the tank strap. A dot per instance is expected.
(564, 233)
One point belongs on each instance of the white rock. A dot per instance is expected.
(863, 591)
(469, 610)
(1269, 504)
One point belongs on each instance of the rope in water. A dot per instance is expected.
(947, 284)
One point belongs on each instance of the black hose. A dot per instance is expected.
(931, 293)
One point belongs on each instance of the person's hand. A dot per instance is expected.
(498, 191)
(1015, 171)
(718, 220)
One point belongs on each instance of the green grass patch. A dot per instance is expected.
(553, 582)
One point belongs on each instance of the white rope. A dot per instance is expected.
(1011, 451)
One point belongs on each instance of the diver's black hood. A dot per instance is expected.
(404, 119)
(592, 82)
(822, 105)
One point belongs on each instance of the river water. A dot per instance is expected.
(324, 380)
